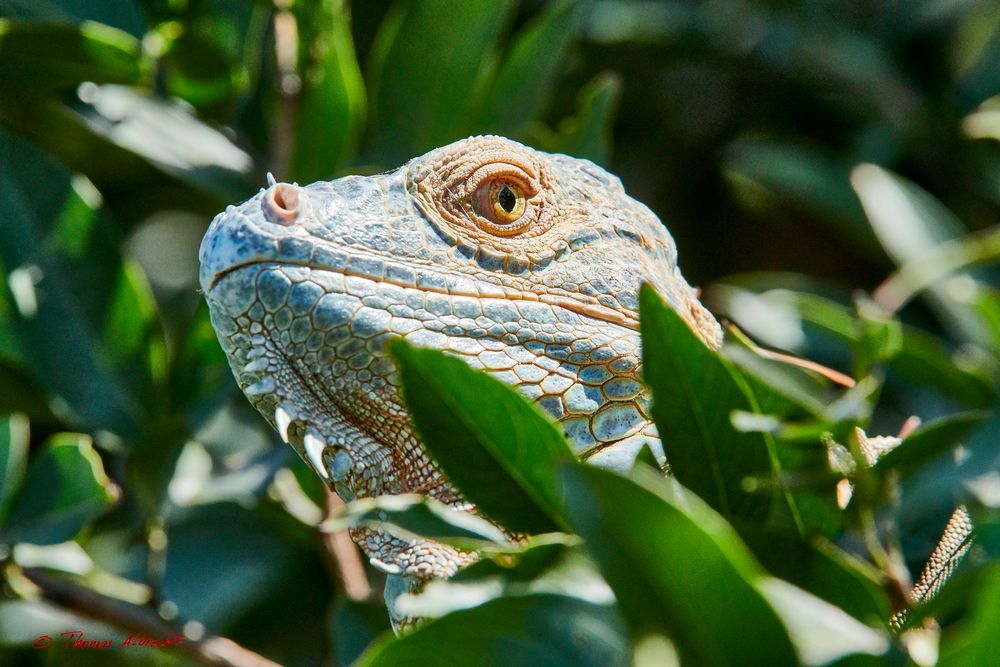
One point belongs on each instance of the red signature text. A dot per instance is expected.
(77, 640)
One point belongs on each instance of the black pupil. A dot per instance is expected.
(507, 199)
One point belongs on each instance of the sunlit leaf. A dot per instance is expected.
(975, 642)
(496, 447)
(63, 267)
(526, 78)
(332, 104)
(65, 488)
(910, 223)
(694, 392)
(529, 630)
(677, 569)
(127, 141)
(44, 57)
(419, 88)
(552, 564)
(587, 133)
(13, 457)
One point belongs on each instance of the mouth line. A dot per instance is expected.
(592, 310)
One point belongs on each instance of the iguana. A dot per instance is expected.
(524, 264)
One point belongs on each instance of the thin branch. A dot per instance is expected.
(209, 650)
(343, 555)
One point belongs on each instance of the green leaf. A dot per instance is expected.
(780, 388)
(881, 338)
(215, 551)
(676, 567)
(353, 626)
(976, 641)
(127, 15)
(20, 392)
(427, 58)
(520, 564)
(531, 630)
(331, 105)
(45, 57)
(911, 224)
(65, 489)
(413, 516)
(927, 359)
(553, 563)
(212, 56)
(129, 142)
(929, 441)
(823, 569)
(694, 393)
(13, 457)
(762, 170)
(65, 270)
(526, 78)
(587, 133)
(987, 304)
(778, 313)
(922, 357)
(494, 445)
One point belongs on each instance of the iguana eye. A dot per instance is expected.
(499, 201)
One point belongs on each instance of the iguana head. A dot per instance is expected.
(523, 263)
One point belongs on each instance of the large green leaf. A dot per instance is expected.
(223, 560)
(64, 490)
(143, 153)
(45, 57)
(587, 133)
(803, 177)
(212, 57)
(529, 630)
(676, 568)
(13, 457)
(910, 224)
(127, 15)
(553, 563)
(492, 443)
(976, 641)
(694, 393)
(86, 323)
(427, 59)
(331, 106)
(525, 81)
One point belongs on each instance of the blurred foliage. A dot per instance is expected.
(847, 153)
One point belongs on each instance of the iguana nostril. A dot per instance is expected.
(281, 203)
